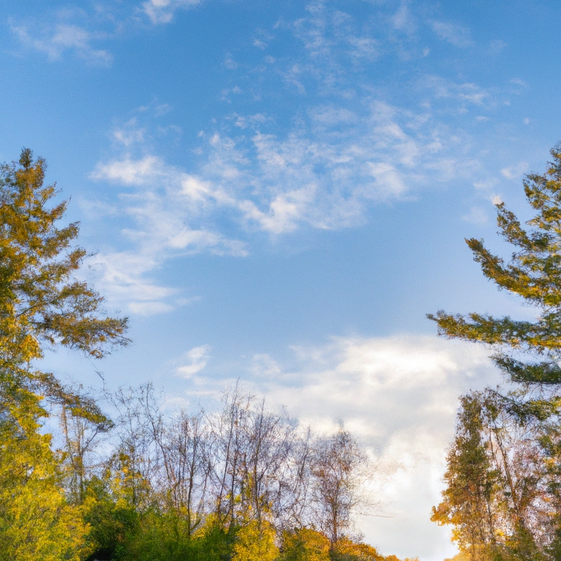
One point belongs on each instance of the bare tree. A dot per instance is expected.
(253, 460)
(184, 469)
(83, 427)
(226, 454)
(338, 476)
(138, 419)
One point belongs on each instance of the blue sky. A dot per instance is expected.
(279, 191)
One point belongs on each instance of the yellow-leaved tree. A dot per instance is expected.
(255, 541)
(41, 303)
(36, 522)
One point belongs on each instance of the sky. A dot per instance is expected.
(277, 192)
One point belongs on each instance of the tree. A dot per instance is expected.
(36, 522)
(305, 544)
(82, 428)
(498, 493)
(471, 485)
(338, 473)
(523, 427)
(250, 457)
(534, 273)
(41, 301)
(255, 541)
(42, 304)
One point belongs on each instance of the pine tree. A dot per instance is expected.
(528, 351)
(42, 304)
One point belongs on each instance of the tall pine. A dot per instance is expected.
(527, 351)
(43, 304)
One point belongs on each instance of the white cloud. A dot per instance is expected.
(363, 48)
(162, 11)
(464, 93)
(263, 365)
(124, 279)
(196, 358)
(324, 173)
(519, 82)
(497, 46)
(129, 133)
(387, 179)
(129, 171)
(54, 41)
(332, 38)
(403, 19)
(399, 396)
(164, 209)
(327, 170)
(455, 34)
(323, 168)
(514, 172)
(486, 184)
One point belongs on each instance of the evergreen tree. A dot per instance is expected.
(528, 351)
(42, 304)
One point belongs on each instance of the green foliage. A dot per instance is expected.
(213, 542)
(534, 273)
(470, 484)
(503, 479)
(499, 494)
(112, 520)
(40, 300)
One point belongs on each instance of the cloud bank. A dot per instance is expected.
(397, 394)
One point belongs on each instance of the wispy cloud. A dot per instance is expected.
(477, 215)
(403, 19)
(193, 361)
(159, 232)
(324, 173)
(163, 215)
(347, 147)
(454, 34)
(162, 11)
(79, 31)
(514, 172)
(55, 40)
(463, 93)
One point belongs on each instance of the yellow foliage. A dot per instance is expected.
(305, 545)
(36, 523)
(347, 549)
(255, 541)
